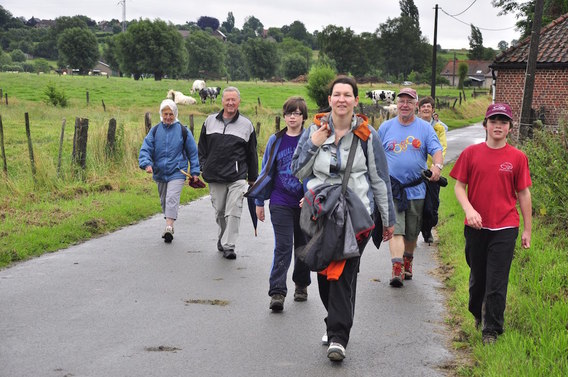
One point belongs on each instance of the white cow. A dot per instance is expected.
(180, 98)
(197, 86)
(389, 111)
(381, 95)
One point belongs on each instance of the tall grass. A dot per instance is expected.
(535, 342)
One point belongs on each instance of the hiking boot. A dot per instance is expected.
(489, 338)
(336, 352)
(325, 340)
(408, 268)
(277, 302)
(301, 293)
(219, 246)
(229, 254)
(168, 234)
(397, 275)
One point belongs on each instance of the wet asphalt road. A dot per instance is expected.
(126, 304)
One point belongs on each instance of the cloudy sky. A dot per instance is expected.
(360, 16)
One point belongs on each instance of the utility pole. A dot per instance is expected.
(531, 68)
(454, 73)
(123, 2)
(434, 51)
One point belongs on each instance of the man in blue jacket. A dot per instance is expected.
(228, 158)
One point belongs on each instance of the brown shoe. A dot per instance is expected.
(397, 275)
(301, 293)
(408, 268)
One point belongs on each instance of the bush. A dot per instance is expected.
(54, 96)
(12, 68)
(319, 79)
(18, 56)
(548, 158)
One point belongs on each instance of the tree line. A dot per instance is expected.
(396, 51)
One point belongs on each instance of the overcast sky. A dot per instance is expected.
(360, 16)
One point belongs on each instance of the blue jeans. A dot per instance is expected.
(287, 236)
(489, 255)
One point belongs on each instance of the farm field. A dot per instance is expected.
(59, 206)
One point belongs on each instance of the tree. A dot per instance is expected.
(253, 24)
(261, 56)
(475, 44)
(206, 55)
(462, 73)
(151, 47)
(78, 48)
(502, 45)
(230, 23)
(236, 62)
(337, 43)
(5, 17)
(204, 22)
(319, 79)
(409, 9)
(18, 56)
(294, 65)
(525, 12)
(297, 30)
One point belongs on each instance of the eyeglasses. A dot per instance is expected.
(406, 102)
(295, 113)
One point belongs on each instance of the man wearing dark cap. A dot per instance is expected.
(408, 140)
(491, 177)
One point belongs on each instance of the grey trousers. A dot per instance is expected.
(227, 200)
(170, 193)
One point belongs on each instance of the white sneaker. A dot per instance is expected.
(324, 340)
(336, 352)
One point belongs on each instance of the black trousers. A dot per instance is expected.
(489, 255)
(338, 297)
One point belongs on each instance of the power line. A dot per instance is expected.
(480, 28)
(465, 10)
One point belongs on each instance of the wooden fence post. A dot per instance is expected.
(80, 141)
(1, 94)
(6, 95)
(111, 137)
(191, 124)
(5, 168)
(30, 147)
(257, 129)
(87, 98)
(277, 125)
(147, 122)
(104, 107)
(259, 104)
(61, 146)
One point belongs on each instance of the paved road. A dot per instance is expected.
(127, 304)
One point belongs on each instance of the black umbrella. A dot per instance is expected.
(252, 211)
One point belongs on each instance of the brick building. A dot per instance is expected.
(550, 95)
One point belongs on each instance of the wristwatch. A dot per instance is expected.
(439, 166)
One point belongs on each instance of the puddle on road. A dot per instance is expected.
(207, 302)
(162, 349)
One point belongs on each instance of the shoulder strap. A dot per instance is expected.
(183, 135)
(350, 159)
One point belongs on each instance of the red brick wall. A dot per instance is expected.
(550, 92)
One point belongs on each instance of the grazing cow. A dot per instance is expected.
(389, 111)
(179, 98)
(197, 86)
(210, 93)
(381, 95)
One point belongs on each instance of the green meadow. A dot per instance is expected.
(61, 204)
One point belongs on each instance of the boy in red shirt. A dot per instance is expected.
(496, 175)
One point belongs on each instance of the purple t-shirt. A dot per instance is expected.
(287, 189)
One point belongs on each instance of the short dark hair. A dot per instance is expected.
(295, 103)
(345, 80)
(498, 117)
(426, 100)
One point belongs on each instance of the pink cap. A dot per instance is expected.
(499, 109)
(409, 92)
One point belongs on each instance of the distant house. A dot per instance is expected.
(102, 68)
(478, 72)
(550, 95)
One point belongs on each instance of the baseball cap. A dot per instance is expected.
(409, 92)
(499, 109)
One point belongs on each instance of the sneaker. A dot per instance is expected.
(168, 234)
(301, 293)
(489, 338)
(336, 352)
(219, 246)
(324, 340)
(277, 302)
(229, 254)
(408, 268)
(397, 275)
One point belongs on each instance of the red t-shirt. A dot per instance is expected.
(493, 178)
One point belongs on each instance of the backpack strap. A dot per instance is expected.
(184, 133)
